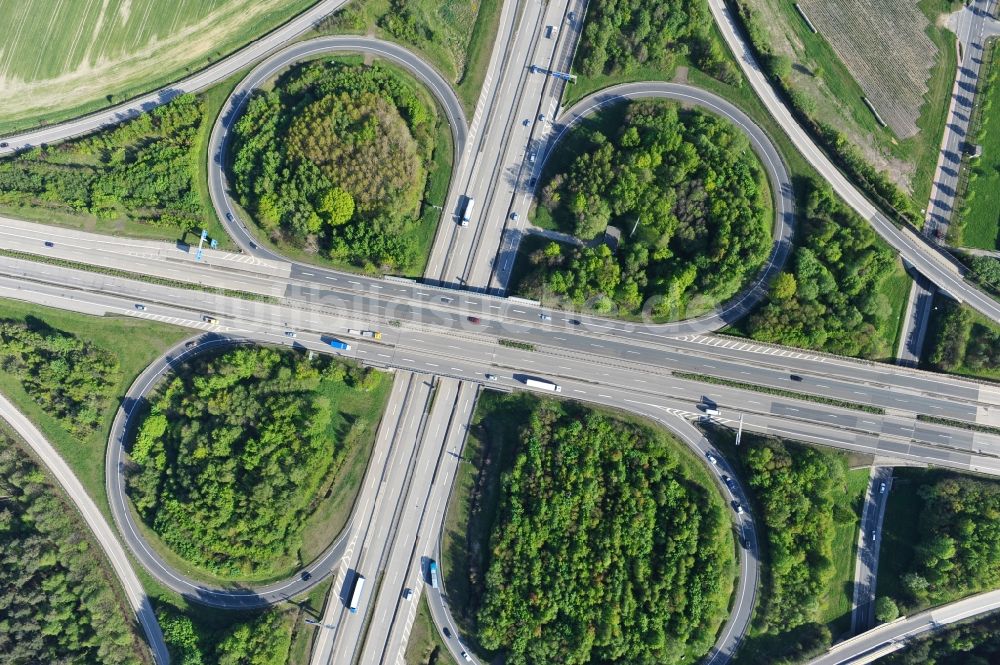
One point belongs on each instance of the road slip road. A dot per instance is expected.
(103, 534)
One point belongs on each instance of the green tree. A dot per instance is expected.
(886, 609)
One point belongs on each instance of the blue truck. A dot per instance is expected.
(337, 344)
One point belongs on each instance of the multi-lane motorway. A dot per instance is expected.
(455, 334)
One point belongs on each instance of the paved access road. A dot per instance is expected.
(205, 78)
(927, 258)
(105, 537)
(869, 542)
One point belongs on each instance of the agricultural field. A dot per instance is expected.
(894, 52)
(62, 58)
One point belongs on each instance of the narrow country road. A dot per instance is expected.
(102, 531)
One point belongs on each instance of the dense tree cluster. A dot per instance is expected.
(264, 640)
(57, 602)
(603, 549)
(975, 643)
(960, 342)
(687, 194)
(830, 298)
(957, 551)
(334, 160)
(234, 451)
(142, 170)
(793, 487)
(622, 35)
(72, 379)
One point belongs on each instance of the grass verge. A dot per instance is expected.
(779, 392)
(425, 646)
(960, 424)
(836, 604)
(135, 342)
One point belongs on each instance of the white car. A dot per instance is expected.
(467, 657)
(712, 458)
(492, 377)
(291, 333)
(139, 306)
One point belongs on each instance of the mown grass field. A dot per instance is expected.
(980, 215)
(426, 646)
(835, 606)
(63, 58)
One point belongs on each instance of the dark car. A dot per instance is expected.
(4, 145)
(574, 322)
(191, 344)
(49, 243)
(729, 482)
(473, 319)
(306, 575)
(744, 542)
(447, 633)
(795, 377)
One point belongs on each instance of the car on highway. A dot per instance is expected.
(570, 17)
(526, 122)
(209, 319)
(873, 534)
(541, 117)
(467, 657)
(712, 458)
(738, 507)
(229, 216)
(4, 144)
(306, 576)
(531, 157)
(545, 317)
(881, 488)
(139, 306)
(407, 593)
(795, 377)
(473, 319)
(191, 344)
(730, 483)
(49, 243)
(291, 333)
(492, 377)
(574, 322)
(447, 633)
(514, 216)
(744, 542)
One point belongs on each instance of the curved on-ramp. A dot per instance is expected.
(235, 596)
(726, 313)
(774, 166)
(744, 595)
(282, 60)
(105, 537)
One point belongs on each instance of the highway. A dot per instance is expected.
(890, 637)
(916, 250)
(898, 389)
(99, 527)
(869, 543)
(382, 505)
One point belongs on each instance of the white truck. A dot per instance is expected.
(543, 385)
(374, 334)
(467, 211)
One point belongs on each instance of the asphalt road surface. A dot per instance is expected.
(869, 542)
(918, 251)
(889, 637)
(105, 537)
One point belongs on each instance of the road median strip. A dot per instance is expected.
(960, 424)
(780, 392)
(127, 274)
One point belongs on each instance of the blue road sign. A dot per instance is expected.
(197, 256)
